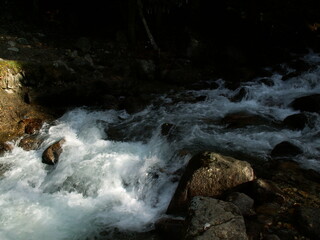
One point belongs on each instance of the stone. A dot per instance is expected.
(172, 228)
(51, 155)
(285, 149)
(12, 43)
(212, 219)
(29, 143)
(296, 121)
(146, 68)
(13, 49)
(240, 95)
(5, 147)
(166, 129)
(209, 174)
(32, 125)
(271, 237)
(244, 119)
(266, 191)
(22, 41)
(242, 201)
(309, 103)
(308, 220)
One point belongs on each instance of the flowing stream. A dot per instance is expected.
(126, 181)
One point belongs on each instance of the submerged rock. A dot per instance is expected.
(210, 219)
(51, 155)
(285, 149)
(32, 142)
(209, 174)
(309, 103)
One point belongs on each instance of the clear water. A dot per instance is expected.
(101, 184)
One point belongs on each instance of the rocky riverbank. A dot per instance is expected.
(41, 78)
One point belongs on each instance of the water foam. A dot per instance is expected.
(100, 184)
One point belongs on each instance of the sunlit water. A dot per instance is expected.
(102, 184)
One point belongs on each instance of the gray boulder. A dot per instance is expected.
(209, 174)
(212, 219)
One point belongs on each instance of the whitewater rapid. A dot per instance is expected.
(101, 184)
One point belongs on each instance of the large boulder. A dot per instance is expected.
(309, 103)
(51, 155)
(212, 219)
(209, 174)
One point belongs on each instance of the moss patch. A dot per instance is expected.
(11, 66)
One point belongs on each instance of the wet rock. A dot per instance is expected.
(296, 121)
(29, 143)
(243, 119)
(240, 95)
(51, 155)
(133, 104)
(309, 103)
(242, 201)
(209, 174)
(146, 69)
(170, 228)
(13, 49)
(271, 237)
(266, 191)
(166, 128)
(309, 221)
(5, 147)
(285, 149)
(12, 43)
(210, 218)
(32, 125)
(268, 209)
(22, 41)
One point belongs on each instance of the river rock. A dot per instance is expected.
(309, 221)
(285, 149)
(296, 121)
(212, 219)
(209, 174)
(243, 119)
(172, 228)
(5, 147)
(32, 125)
(51, 155)
(242, 201)
(29, 143)
(309, 103)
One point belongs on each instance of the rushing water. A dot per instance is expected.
(101, 184)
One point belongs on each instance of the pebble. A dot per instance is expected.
(22, 41)
(13, 49)
(11, 43)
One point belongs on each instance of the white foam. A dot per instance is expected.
(100, 184)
